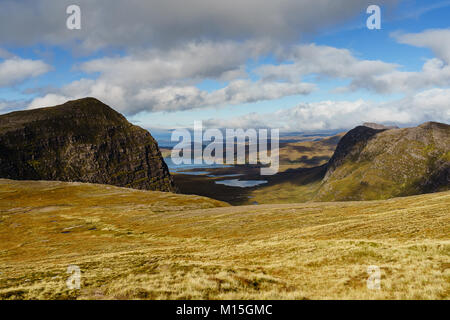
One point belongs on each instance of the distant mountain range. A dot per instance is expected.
(87, 141)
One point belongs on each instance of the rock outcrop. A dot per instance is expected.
(371, 164)
(82, 140)
(378, 126)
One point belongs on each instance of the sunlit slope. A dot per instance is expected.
(307, 154)
(373, 164)
(152, 245)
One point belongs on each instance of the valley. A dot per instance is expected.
(83, 189)
(302, 160)
(224, 150)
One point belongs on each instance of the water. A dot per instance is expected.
(241, 183)
(192, 173)
(181, 168)
(224, 175)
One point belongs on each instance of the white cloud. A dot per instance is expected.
(435, 71)
(166, 80)
(331, 62)
(438, 40)
(156, 80)
(324, 60)
(48, 100)
(115, 96)
(193, 61)
(169, 52)
(172, 98)
(429, 105)
(373, 75)
(237, 92)
(16, 70)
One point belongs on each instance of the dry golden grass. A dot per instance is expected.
(148, 245)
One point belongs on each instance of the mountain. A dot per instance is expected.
(371, 164)
(82, 140)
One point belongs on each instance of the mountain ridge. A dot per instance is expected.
(371, 164)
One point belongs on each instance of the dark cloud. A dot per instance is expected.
(137, 23)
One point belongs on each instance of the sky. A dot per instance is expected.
(294, 65)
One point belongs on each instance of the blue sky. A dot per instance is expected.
(314, 73)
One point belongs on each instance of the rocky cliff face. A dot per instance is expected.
(82, 140)
(371, 164)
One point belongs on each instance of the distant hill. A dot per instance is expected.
(371, 164)
(307, 154)
(82, 140)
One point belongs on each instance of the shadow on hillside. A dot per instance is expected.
(203, 185)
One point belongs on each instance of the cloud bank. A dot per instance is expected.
(329, 115)
(163, 24)
(250, 50)
(167, 80)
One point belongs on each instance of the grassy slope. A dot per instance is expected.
(394, 163)
(139, 244)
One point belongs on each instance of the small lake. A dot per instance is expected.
(241, 183)
(181, 168)
(191, 173)
(225, 175)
